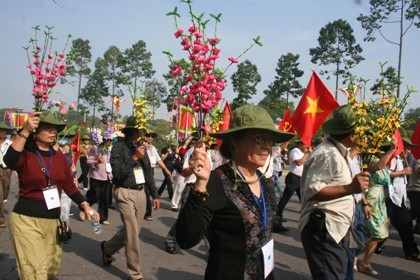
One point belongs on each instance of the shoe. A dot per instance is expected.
(414, 257)
(367, 269)
(149, 218)
(106, 259)
(175, 209)
(279, 228)
(105, 223)
(5, 200)
(82, 215)
(3, 225)
(171, 249)
(86, 189)
(71, 214)
(112, 206)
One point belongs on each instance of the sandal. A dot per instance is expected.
(367, 268)
(106, 259)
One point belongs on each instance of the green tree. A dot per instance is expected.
(112, 73)
(403, 13)
(244, 82)
(411, 118)
(337, 47)
(96, 90)
(285, 83)
(154, 91)
(137, 67)
(78, 61)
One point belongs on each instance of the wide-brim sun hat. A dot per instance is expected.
(340, 121)
(4, 126)
(48, 117)
(408, 144)
(253, 117)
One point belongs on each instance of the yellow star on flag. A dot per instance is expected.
(313, 107)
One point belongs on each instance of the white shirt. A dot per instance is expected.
(192, 178)
(3, 149)
(153, 155)
(399, 183)
(296, 154)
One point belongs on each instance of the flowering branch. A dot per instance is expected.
(46, 68)
(202, 83)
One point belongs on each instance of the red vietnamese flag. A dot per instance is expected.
(286, 122)
(75, 147)
(400, 144)
(314, 107)
(415, 139)
(227, 113)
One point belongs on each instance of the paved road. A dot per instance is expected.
(82, 256)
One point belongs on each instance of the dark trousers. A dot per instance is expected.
(148, 201)
(99, 193)
(401, 219)
(292, 185)
(414, 198)
(166, 183)
(326, 259)
(83, 178)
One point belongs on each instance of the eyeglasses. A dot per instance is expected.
(264, 138)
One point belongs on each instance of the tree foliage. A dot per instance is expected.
(137, 67)
(337, 47)
(112, 62)
(154, 91)
(244, 82)
(285, 82)
(78, 61)
(403, 13)
(96, 90)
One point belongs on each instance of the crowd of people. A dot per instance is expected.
(228, 195)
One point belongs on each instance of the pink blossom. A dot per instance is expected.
(176, 71)
(233, 59)
(72, 105)
(207, 128)
(213, 41)
(192, 29)
(178, 33)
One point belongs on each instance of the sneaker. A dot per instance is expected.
(105, 223)
(149, 218)
(170, 249)
(414, 257)
(86, 189)
(5, 200)
(175, 209)
(367, 269)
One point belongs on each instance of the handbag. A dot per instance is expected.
(63, 232)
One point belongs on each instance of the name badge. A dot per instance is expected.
(268, 255)
(139, 175)
(108, 167)
(51, 197)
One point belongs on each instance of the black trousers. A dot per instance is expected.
(99, 193)
(292, 185)
(166, 183)
(326, 259)
(83, 178)
(401, 219)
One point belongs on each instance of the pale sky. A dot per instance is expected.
(284, 26)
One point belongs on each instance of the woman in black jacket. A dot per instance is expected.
(232, 205)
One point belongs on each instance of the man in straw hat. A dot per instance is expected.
(131, 174)
(232, 205)
(5, 172)
(327, 190)
(397, 203)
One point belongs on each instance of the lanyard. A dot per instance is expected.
(261, 208)
(44, 168)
